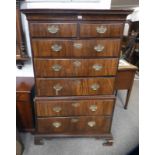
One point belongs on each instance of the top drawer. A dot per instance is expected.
(101, 29)
(53, 29)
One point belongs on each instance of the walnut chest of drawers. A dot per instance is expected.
(75, 59)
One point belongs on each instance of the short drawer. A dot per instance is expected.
(53, 29)
(75, 67)
(74, 125)
(75, 86)
(53, 48)
(101, 30)
(46, 108)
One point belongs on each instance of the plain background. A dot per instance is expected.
(8, 77)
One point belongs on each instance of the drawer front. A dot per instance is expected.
(74, 107)
(75, 125)
(101, 30)
(75, 48)
(53, 29)
(75, 86)
(75, 67)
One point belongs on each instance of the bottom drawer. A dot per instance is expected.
(74, 125)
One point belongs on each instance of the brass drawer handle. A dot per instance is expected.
(77, 63)
(56, 47)
(56, 67)
(57, 109)
(99, 48)
(77, 45)
(53, 29)
(74, 120)
(93, 108)
(76, 104)
(95, 86)
(101, 29)
(97, 67)
(91, 124)
(57, 88)
(56, 124)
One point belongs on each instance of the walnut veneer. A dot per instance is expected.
(75, 57)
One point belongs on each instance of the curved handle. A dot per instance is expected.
(99, 48)
(56, 47)
(93, 108)
(95, 86)
(91, 123)
(101, 29)
(56, 124)
(97, 67)
(56, 67)
(53, 29)
(57, 109)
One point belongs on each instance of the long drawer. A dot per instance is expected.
(53, 30)
(76, 48)
(46, 108)
(74, 125)
(75, 86)
(101, 29)
(75, 67)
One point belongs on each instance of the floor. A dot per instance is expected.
(125, 130)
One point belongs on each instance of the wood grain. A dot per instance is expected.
(74, 86)
(75, 67)
(89, 30)
(42, 48)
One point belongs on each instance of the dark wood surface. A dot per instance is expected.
(75, 67)
(24, 104)
(43, 48)
(65, 30)
(75, 86)
(69, 125)
(91, 28)
(46, 108)
(24, 84)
